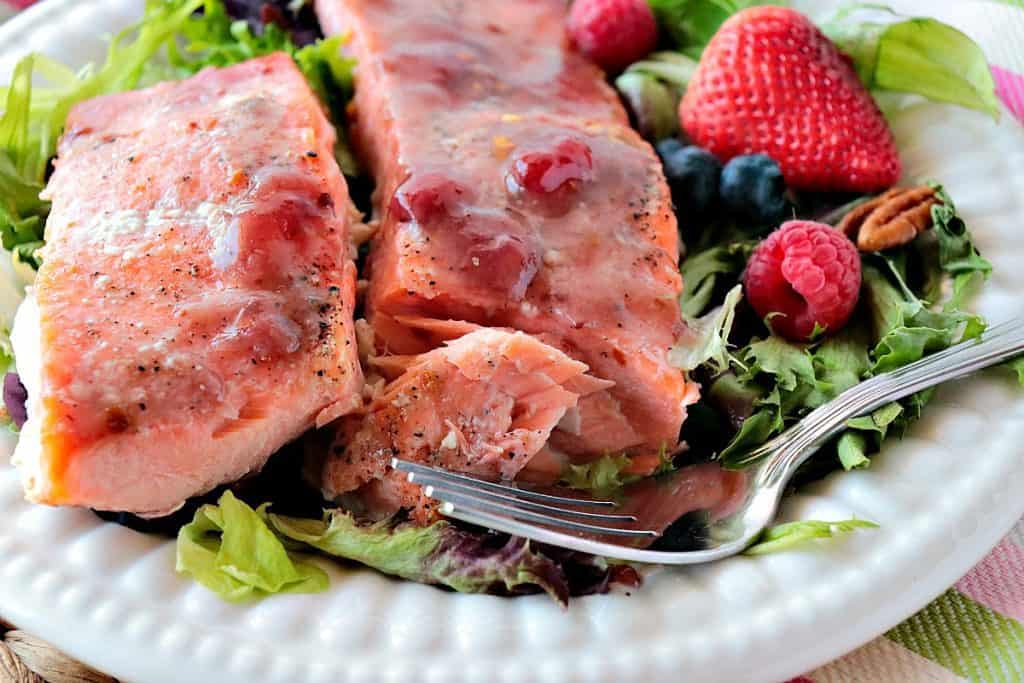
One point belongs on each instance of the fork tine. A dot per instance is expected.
(481, 484)
(453, 502)
(433, 482)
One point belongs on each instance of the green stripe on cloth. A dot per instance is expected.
(967, 638)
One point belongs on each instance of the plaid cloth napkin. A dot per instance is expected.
(975, 630)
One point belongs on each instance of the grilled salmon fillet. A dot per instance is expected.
(194, 309)
(511, 192)
(485, 403)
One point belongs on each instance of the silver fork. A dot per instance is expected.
(710, 512)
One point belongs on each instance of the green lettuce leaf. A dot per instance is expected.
(600, 476)
(34, 114)
(840, 362)
(229, 548)
(439, 554)
(795, 534)
(957, 254)
(691, 23)
(213, 38)
(652, 103)
(1017, 366)
(710, 342)
(852, 449)
(705, 272)
(907, 328)
(918, 55)
(652, 89)
(790, 364)
(606, 475)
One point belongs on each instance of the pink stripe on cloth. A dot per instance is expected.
(997, 582)
(19, 4)
(1010, 89)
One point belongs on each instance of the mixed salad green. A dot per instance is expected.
(754, 383)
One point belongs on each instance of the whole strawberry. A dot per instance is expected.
(770, 82)
(613, 33)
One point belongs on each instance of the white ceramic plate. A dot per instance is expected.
(943, 496)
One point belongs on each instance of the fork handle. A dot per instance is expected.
(796, 445)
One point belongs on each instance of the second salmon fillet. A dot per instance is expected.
(511, 192)
(194, 309)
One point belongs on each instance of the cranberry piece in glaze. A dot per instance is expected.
(501, 263)
(428, 196)
(543, 173)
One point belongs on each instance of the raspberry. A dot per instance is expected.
(613, 33)
(803, 275)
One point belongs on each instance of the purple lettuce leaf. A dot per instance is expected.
(15, 398)
(297, 19)
(443, 554)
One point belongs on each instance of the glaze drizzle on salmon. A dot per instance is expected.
(194, 309)
(511, 192)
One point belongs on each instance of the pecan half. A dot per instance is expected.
(891, 219)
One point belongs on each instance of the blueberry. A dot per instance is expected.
(753, 189)
(692, 174)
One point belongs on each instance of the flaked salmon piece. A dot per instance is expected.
(484, 404)
(194, 309)
(511, 192)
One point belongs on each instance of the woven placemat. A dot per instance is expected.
(27, 659)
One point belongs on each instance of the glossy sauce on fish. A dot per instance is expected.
(512, 192)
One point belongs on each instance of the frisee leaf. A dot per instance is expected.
(919, 55)
(796, 534)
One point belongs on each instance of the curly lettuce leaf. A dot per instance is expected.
(440, 554)
(229, 548)
(796, 534)
(918, 55)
